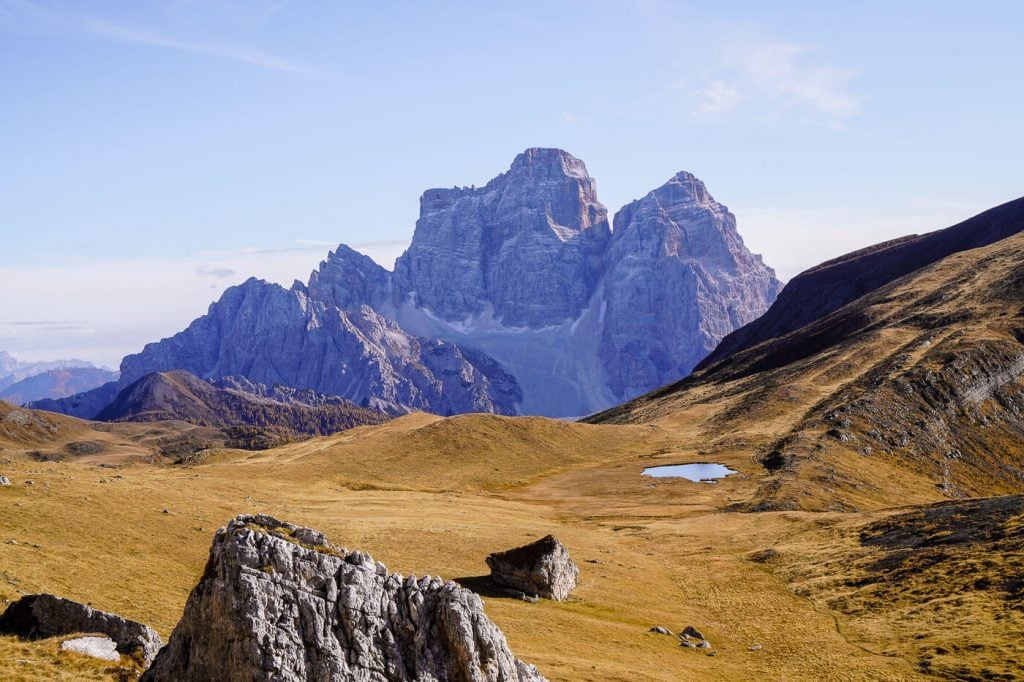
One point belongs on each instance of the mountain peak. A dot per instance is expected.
(685, 186)
(552, 160)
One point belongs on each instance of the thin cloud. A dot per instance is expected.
(777, 78)
(27, 16)
(214, 271)
(718, 97)
(733, 71)
(246, 55)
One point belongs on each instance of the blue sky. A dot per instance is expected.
(156, 152)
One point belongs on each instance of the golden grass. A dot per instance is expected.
(22, 661)
(651, 553)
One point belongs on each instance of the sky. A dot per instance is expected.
(154, 153)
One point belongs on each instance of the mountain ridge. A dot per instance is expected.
(179, 395)
(515, 297)
(830, 285)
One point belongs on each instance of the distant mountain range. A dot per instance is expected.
(56, 383)
(515, 298)
(22, 382)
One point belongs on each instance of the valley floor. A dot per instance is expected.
(431, 496)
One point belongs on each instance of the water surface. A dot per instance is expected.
(697, 472)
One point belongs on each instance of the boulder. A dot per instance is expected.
(38, 616)
(278, 602)
(4, 480)
(690, 631)
(541, 569)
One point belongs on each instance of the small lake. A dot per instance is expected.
(698, 472)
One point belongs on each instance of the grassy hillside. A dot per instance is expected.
(427, 495)
(909, 394)
(871, 532)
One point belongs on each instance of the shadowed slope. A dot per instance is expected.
(815, 293)
(165, 396)
(910, 393)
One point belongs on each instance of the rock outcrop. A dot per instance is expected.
(539, 569)
(277, 602)
(38, 616)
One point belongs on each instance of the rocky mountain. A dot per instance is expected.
(678, 279)
(273, 335)
(910, 392)
(178, 395)
(515, 298)
(525, 250)
(56, 383)
(646, 303)
(278, 602)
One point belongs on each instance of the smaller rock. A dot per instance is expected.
(712, 653)
(687, 643)
(705, 644)
(38, 616)
(762, 556)
(657, 629)
(693, 632)
(756, 647)
(166, 511)
(12, 542)
(4, 480)
(541, 569)
(30, 482)
(102, 648)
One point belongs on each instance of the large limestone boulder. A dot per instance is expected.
(277, 602)
(539, 569)
(38, 616)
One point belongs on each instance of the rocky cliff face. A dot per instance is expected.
(525, 249)
(273, 335)
(349, 280)
(277, 602)
(514, 297)
(678, 279)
